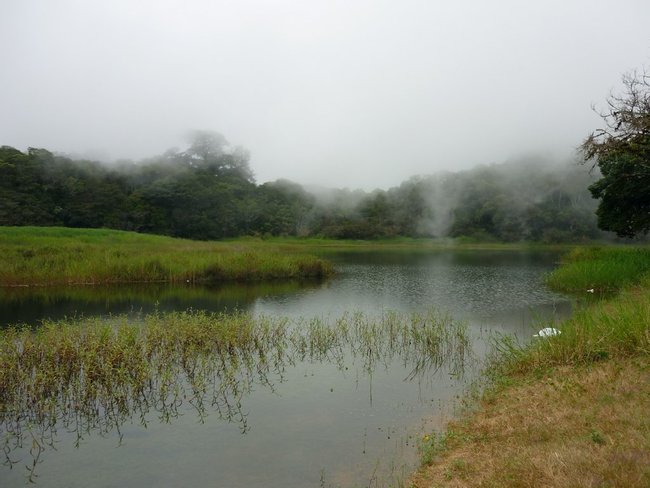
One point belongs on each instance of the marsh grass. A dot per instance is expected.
(93, 375)
(54, 256)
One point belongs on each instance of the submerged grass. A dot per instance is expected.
(93, 375)
(568, 410)
(55, 255)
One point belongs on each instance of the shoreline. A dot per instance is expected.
(566, 411)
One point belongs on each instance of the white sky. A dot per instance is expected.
(341, 93)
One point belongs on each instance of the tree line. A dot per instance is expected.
(208, 192)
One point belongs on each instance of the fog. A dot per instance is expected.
(357, 94)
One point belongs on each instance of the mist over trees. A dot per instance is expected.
(527, 200)
(208, 191)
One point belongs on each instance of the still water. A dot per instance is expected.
(316, 422)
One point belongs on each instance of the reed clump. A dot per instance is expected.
(56, 256)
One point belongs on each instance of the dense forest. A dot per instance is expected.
(208, 192)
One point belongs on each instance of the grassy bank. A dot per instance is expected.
(56, 255)
(570, 410)
(604, 269)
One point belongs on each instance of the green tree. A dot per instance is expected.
(621, 150)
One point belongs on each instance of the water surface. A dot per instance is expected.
(315, 422)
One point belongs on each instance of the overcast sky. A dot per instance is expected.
(341, 93)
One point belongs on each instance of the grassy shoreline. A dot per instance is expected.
(46, 256)
(570, 410)
(42, 256)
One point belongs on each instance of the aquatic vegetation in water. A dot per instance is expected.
(91, 376)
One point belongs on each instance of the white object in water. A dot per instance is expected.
(548, 332)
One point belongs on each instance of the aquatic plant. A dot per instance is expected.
(92, 375)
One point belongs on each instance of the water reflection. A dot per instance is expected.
(501, 289)
(30, 305)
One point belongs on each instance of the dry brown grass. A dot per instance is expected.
(578, 427)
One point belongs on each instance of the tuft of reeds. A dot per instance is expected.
(56, 256)
(93, 375)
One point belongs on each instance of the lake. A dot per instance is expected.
(313, 421)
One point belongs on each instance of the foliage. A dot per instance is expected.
(530, 200)
(622, 152)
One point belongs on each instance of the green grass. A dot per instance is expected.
(617, 326)
(405, 243)
(603, 269)
(56, 255)
(59, 255)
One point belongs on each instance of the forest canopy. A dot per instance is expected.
(208, 192)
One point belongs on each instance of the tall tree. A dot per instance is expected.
(621, 150)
